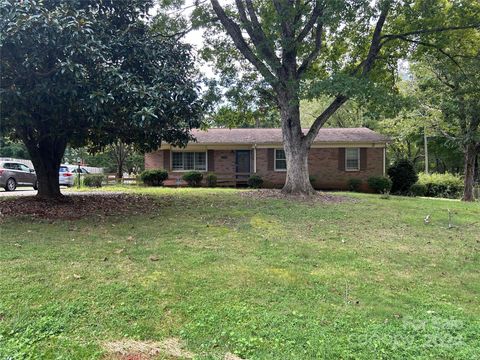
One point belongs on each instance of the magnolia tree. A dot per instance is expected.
(91, 73)
(309, 49)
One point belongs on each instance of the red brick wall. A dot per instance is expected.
(224, 161)
(154, 160)
(323, 164)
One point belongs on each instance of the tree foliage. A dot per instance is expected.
(91, 73)
(448, 74)
(338, 50)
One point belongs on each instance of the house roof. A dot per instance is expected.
(272, 136)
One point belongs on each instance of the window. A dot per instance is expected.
(182, 161)
(24, 168)
(280, 160)
(352, 159)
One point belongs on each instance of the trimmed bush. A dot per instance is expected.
(403, 176)
(255, 181)
(354, 184)
(211, 180)
(154, 177)
(93, 180)
(418, 190)
(193, 178)
(442, 185)
(379, 184)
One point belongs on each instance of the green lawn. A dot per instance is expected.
(263, 279)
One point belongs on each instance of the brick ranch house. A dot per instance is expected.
(337, 155)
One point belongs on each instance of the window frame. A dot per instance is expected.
(346, 159)
(275, 161)
(183, 161)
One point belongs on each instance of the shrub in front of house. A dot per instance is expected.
(313, 180)
(153, 177)
(255, 181)
(442, 185)
(354, 184)
(93, 180)
(403, 176)
(418, 190)
(193, 178)
(211, 180)
(380, 184)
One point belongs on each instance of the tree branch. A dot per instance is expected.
(316, 13)
(390, 37)
(316, 51)
(255, 31)
(236, 34)
(375, 47)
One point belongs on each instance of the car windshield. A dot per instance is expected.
(63, 169)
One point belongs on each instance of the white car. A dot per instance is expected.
(65, 176)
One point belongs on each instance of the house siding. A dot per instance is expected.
(323, 166)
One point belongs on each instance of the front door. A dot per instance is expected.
(242, 160)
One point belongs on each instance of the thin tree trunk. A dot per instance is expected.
(469, 173)
(46, 157)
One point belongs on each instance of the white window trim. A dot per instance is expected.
(275, 161)
(188, 151)
(359, 160)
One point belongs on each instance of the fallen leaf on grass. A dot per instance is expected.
(77, 277)
(154, 258)
(119, 251)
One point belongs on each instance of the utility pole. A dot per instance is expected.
(425, 144)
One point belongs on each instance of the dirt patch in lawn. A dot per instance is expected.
(146, 350)
(149, 350)
(77, 206)
(319, 196)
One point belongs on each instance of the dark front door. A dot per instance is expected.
(242, 160)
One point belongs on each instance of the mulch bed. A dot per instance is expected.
(318, 197)
(74, 207)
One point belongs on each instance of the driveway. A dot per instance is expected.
(19, 192)
(23, 191)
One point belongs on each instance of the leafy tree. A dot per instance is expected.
(91, 73)
(449, 77)
(12, 149)
(337, 49)
(115, 158)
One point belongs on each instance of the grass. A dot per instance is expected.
(264, 279)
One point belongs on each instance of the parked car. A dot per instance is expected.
(74, 169)
(14, 174)
(65, 176)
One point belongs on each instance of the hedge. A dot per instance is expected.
(154, 177)
(441, 185)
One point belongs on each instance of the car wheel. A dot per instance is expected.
(11, 184)
(35, 186)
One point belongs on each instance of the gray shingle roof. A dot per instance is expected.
(270, 136)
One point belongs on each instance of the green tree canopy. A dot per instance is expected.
(327, 49)
(85, 72)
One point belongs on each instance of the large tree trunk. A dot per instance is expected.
(296, 149)
(298, 180)
(46, 157)
(469, 172)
